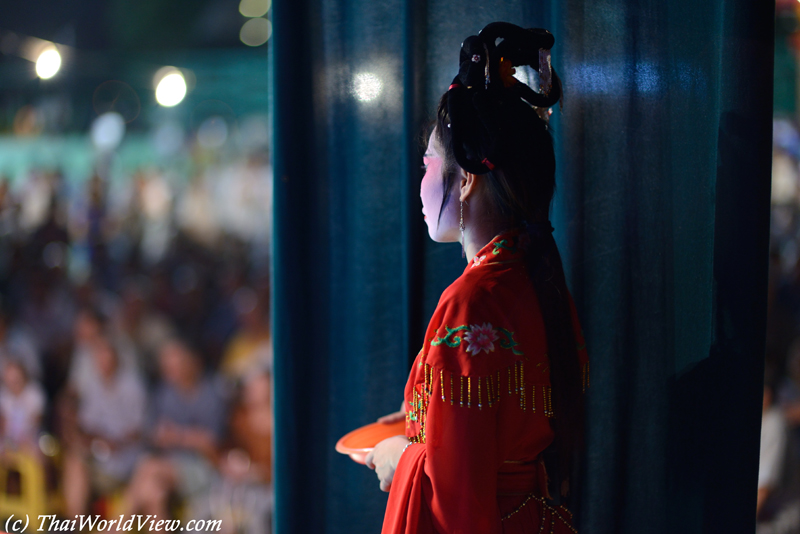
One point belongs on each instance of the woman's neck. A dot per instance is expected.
(478, 235)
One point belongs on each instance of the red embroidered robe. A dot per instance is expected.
(478, 404)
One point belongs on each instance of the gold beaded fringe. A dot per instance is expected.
(490, 384)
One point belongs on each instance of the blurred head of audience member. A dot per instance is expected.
(88, 326)
(180, 366)
(105, 359)
(16, 343)
(91, 331)
(250, 348)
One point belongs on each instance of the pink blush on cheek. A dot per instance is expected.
(441, 228)
(431, 193)
(431, 188)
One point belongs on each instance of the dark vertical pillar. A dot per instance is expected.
(719, 426)
(414, 114)
(300, 289)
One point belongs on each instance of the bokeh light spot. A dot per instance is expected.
(367, 86)
(171, 89)
(48, 63)
(255, 32)
(48, 445)
(254, 8)
(108, 130)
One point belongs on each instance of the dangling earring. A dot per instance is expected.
(461, 225)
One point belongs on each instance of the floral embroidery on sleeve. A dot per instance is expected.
(479, 338)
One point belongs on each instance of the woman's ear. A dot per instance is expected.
(467, 184)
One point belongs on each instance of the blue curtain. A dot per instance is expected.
(664, 151)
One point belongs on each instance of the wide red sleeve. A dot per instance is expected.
(405, 511)
(448, 484)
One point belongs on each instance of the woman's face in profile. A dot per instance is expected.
(442, 229)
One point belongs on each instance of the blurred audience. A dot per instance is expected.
(778, 496)
(125, 327)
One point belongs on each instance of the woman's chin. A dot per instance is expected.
(439, 238)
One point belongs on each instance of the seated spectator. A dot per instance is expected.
(788, 396)
(188, 415)
(251, 431)
(22, 403)
(243, 498)
(773, 447)
(103, 447)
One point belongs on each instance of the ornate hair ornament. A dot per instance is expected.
(485, 88)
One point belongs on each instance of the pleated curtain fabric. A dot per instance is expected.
(662, 216)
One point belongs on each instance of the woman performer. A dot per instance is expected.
(494, 402)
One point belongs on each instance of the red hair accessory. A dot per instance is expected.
(488, 163)
(453, 86)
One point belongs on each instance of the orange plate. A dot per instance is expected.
(361, 441)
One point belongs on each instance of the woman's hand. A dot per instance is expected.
(385, 457)
(394, 417)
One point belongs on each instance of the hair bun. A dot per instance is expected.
(483, 98)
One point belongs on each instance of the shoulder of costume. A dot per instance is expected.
(476, 328)
(484, 344)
